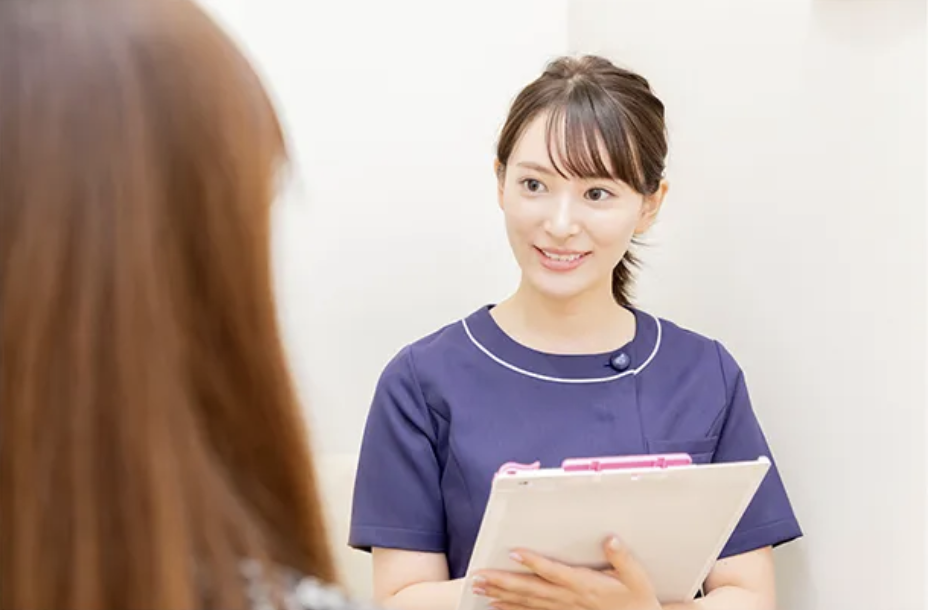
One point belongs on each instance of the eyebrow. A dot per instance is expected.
(535, 166)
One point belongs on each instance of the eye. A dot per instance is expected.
(532, 185)
(598, 194)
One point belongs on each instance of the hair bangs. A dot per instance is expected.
(588, 136)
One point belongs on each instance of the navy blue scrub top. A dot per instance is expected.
(451, 408)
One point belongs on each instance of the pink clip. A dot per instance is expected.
(624, 462)
(515, 467)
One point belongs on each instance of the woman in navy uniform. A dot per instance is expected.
(565, 367)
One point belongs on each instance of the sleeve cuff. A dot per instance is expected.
(363, 538)
(773, 534)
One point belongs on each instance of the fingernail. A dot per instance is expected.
(479, 579)
(479, 591)
(515, 557)
(614, 543)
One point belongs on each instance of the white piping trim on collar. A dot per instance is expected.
(521, 371)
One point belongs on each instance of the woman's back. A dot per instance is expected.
(150, 440)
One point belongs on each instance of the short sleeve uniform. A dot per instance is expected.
(451, 408)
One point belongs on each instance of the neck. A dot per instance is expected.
(587, 323)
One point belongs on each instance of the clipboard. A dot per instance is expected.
(674, 516)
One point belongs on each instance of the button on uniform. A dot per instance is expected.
(620, 362)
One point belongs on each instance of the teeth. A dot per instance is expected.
(562, 257)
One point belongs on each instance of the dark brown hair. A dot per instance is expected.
(595, 104)
(150, 439)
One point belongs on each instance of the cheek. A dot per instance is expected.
(520, 236)
(519, 218)
(613, 232)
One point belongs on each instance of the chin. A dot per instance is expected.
(558, 289)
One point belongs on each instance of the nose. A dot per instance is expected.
(561, 223)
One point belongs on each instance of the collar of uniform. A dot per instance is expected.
(483, 331)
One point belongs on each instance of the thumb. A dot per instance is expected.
(629, 571)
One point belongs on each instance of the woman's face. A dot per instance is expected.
(567, 234)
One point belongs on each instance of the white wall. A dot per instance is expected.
(393, 109)
(392, 228)
(795, 232)
(795, 228)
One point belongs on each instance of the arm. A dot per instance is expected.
(744, 579)
(397, 508)
(740, 582)
(409, 580)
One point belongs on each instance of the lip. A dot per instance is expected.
(562, 251)
(561, 266)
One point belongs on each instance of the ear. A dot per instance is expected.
(499, 170)
(650, 207)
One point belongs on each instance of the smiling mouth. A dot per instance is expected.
(562, 257)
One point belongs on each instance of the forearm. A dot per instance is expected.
(426, 596)
(727, 598)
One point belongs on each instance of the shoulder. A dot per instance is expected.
(421, 355)
(682, 348)
(441, 343)
(420, 371)
(676, 336)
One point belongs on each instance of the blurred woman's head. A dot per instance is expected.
(149, 435)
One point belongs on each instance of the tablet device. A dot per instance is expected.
(674, 516)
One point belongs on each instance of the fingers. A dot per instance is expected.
(524, 590)
(499, 598)
(628, 569)
(552, 571)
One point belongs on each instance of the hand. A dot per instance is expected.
(555, 586)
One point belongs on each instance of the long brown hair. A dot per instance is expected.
(591, 101)
(150, 439)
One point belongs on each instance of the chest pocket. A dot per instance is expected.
(700, 449)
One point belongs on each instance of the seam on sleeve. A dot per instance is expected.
(415, 378)
(366, 537)
(778, 532)
(718, 354)
(729, 393)
(765, 526)
(433, 438)
(452, 456)
(399, 529)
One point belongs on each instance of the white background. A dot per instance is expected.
(794, 231)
